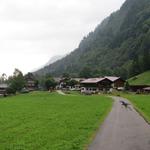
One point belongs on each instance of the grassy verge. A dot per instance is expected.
(43, 121)
(141, 103)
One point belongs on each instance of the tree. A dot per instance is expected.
(135, 67)
(72, 83)
(29, 75)
(126, 86)
(17, 81)
(86, 72)
(3, 78)
(66, 76)
(50, 83)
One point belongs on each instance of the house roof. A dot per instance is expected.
(111, 78)
(147, 88)
(93, 80)
(3, 85)
(96, 80)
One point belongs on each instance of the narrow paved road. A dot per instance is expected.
(124, 129)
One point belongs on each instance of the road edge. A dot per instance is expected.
(138, 110)
(100, 124)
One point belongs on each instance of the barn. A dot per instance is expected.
(117, 82)
(95, 85)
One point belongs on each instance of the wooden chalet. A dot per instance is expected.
(138, 88)
(31, 83)
(147, 90)
(96, 85)
(117, 82)
(62, 83)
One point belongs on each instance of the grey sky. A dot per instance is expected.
(32, 31)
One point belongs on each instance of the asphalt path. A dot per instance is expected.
(123, 129)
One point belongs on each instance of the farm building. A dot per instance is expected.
(117, 82)
(96, 85)
(138, 88)
(3, 89)
(68, 83)
(102, 84)
(147, 90)
(77, 86)
(31, 83)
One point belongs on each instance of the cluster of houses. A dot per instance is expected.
(101, 84)
(31, 85)
(90, 85)
(93, 85)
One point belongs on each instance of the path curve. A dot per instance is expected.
(60, 92)
(123, 129)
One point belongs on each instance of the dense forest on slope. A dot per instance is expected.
(120, 45)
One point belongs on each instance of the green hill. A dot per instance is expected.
(141, 79)
(120, 46)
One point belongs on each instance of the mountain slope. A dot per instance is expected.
(116, 46)
(141, 79)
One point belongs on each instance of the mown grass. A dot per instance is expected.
(141, 79)
(44, 121)
(142, 103)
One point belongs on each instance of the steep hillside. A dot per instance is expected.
(141, 79)
(120, 45)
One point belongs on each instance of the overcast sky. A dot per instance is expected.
(32, 31)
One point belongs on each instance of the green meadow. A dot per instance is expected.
(142, 104)
(141, 79)
(48, 121)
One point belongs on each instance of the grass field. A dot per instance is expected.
(44, 121)
(142, 103)
(141, 79)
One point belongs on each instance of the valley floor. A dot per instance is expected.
(43, 120)
(51, 121)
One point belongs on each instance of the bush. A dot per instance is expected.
(10, 91)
